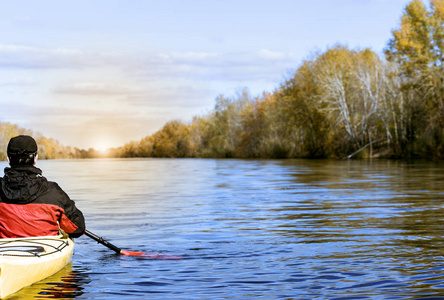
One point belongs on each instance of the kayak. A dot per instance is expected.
(24, 261)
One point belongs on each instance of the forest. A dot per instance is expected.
(339, 103)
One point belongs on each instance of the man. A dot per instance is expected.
(30, 205)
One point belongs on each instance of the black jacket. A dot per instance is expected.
(30, 205)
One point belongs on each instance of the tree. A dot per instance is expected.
(338, 87)
(300, 118)
(417, 46)
(418, 43)
(173, 140)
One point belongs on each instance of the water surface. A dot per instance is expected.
(265, 229)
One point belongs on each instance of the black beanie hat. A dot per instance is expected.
(22, 145)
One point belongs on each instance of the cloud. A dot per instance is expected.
(123, 96)
(209, 67)
(188, 57)
(18, 81)
(162, 85)
(20, 111)
(274, 55)
(26, 57)
(148, 95)
(171, 96)
(233, 66)
(93, 89)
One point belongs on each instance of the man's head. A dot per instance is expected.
(22, 150)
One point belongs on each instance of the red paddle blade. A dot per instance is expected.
(150, 255)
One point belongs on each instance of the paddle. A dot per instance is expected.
(116, 249)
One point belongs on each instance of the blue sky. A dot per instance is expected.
(103, 73)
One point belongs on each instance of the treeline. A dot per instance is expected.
(339, 103)
(48, 148)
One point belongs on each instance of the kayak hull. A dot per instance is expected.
(24, 261)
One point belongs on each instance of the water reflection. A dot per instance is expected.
(390, 215)
(66, 284)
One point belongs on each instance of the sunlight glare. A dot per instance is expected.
(102, 146)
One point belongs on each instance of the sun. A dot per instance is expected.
(102, 146)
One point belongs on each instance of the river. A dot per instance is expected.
(253, 229)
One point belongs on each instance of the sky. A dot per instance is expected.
(103, 73)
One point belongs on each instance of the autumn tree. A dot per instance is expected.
(301, 115)
(255, 128)
(221, 130)
(352, 101)
(340, 96)
(417, 46)
(173, 140)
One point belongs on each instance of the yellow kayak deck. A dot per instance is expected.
(24, 261)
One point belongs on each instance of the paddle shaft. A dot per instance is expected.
(100, 240)
(129, 253)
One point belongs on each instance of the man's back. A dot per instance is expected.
(30, 205)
